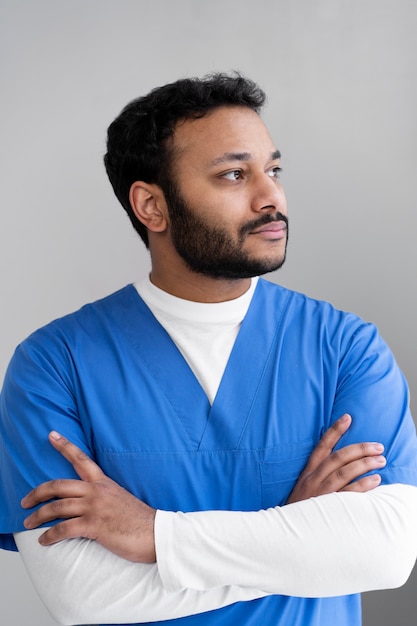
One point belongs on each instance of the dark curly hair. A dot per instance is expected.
(137, 139)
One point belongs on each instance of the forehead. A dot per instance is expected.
(224, 130)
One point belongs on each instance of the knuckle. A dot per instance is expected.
(323, 442)
(56, 506)
(57, 532)
(368, 461)
(375, 461)
(340, 474)
(339, 455)
(32, 521)
(56, 484)
(324, 447)
(65, 446)
(81, 455)
(308, 482)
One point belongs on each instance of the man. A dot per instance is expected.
(237, 428)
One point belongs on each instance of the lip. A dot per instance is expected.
(273, 230)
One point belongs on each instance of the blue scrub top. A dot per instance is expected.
(110, 379)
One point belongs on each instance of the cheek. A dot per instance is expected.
(229, 209)
(217, 208)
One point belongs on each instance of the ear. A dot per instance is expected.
(148, 203)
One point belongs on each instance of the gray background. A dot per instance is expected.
(341, 79)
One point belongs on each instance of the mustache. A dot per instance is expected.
(262, 221)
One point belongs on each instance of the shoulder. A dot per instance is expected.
(319, 317)
(301, 302)
(62, 335)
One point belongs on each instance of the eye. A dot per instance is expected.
(232, 175)
(274, 172)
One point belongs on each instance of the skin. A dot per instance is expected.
(231, 178)
(97, 508)
(227, 169)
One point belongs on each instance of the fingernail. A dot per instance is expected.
(54, 435)
(378, 447)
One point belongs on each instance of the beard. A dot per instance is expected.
(211, 250)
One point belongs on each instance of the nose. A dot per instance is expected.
(268, 195)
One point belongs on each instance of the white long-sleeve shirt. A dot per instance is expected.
(336, 544)
(330, 545)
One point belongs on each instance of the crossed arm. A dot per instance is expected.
(341, 528)
(97, 508)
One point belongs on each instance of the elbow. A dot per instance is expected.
(399, 563)
(398, 552)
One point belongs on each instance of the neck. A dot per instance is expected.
(171, 274)
(199, 288)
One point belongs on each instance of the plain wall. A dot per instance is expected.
(341, 81)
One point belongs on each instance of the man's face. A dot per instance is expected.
(227, 208)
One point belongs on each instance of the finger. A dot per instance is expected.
(59, 488)
(367, 483)
(59, 509)
(69, 529)
(84, 466)
(350, 472)
(360, 457)
(328, 441)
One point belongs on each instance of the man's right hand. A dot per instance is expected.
(328, 471)
(95, 507)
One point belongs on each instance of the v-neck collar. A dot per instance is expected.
(219, 425)
(242, 378)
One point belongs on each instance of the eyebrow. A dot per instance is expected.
(241, 156)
